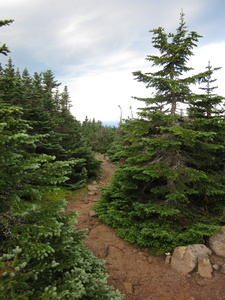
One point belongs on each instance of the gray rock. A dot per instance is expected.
(185, 258)
(182, 262)
(93, 188)
(204, 267)
(217, 242)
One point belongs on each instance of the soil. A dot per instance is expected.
(135, 271)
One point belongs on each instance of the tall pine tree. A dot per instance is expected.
(164, 195)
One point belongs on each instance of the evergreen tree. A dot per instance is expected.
(48, 113)
(169, 82)
(207, 104)
(99, 137)
(10, 85)
(65, 102)
(42, 255)
(4, 49)
(167, 192)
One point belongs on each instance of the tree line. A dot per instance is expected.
(43, 154)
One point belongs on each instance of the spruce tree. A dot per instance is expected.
(99, 137)
(164, 195)
(48, 113)
(207, 104)
(42, 255)
(4, 49)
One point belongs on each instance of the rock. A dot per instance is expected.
(222, 270)
(217, 242)
(168, 259)
(215, 266)
(92, 193)
(94, 182)
(181, 261)
(201, 282)
(204, 267)
(185, 258)
(92, 188)
(91, 213)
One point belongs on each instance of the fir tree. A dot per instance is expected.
(169, 82)
(4, 49)
(99, 137)
(208, 104)
(42, 255)
(164, 194)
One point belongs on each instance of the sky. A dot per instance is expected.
(93, 46)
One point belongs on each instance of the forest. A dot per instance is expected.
(168, 189)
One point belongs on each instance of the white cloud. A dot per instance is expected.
(98, 93)
(215, 54)
(93, 46)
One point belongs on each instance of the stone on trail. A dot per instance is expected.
(92, 193)
(185, 258)
(92, 213)
(217, 242)
(204, 267)
(223, 269)
(92, 188)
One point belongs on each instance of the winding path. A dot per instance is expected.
(133, 270)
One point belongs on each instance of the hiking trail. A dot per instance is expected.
(134, 271)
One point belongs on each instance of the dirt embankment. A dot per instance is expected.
(133, 270)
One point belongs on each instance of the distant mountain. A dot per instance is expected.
(110, 123)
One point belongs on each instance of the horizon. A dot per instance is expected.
(93, 46)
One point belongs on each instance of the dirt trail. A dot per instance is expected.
(132, 270)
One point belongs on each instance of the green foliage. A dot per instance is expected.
(4, 49)
(47, 112)
(46, 259)
(42, 255)
(99, 137)
(170, 189)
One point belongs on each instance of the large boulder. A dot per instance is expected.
(186, 258)
(217, 242)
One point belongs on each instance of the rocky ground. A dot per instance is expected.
(134, 271)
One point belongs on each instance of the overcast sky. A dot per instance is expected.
(93, 46)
